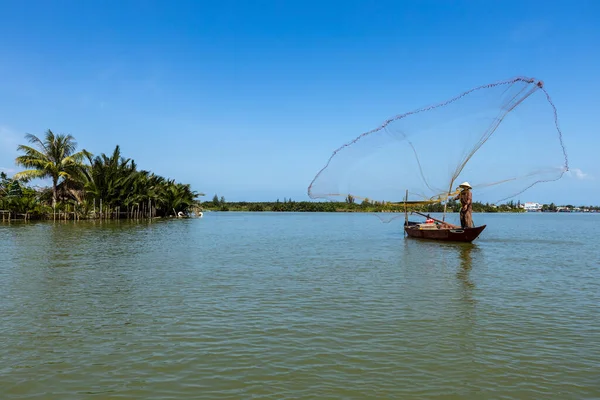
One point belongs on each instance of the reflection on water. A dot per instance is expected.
(465, 257)
(467, 252)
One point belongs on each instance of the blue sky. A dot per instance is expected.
(249, 99)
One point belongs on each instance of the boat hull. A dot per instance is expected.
(447, 235)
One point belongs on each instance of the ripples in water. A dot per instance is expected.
(294, 306)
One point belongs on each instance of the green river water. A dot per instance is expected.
(300, 306)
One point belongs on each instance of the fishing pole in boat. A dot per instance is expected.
(437, 220)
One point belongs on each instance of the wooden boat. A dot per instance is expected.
(442, 232)
(434, 229)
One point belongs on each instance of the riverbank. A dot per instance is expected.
(287, 205)
(307, 206)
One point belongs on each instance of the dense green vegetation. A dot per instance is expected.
(84, 186)
(219, 204)
(309, 206)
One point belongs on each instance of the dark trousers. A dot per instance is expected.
(466, 219)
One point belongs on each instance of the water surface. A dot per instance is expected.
(299, 306)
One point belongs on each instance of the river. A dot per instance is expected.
(300, 306)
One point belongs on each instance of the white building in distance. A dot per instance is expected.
(529, 206)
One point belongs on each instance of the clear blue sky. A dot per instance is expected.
(248, 99)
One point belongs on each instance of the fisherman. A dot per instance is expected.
(466, 209)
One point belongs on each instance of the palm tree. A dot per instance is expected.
(177, 197)
(54, 157)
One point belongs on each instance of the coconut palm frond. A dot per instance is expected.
(30, 174)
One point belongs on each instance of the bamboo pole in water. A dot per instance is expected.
(446, 202)
(405, 211)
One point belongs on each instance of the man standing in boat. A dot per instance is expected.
(466, 209)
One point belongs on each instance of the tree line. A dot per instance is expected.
(349, 205)
(87, 186)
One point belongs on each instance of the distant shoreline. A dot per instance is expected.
(400, 212)
(61, 217)
(375, 207)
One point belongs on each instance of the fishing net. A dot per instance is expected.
(503, 138)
